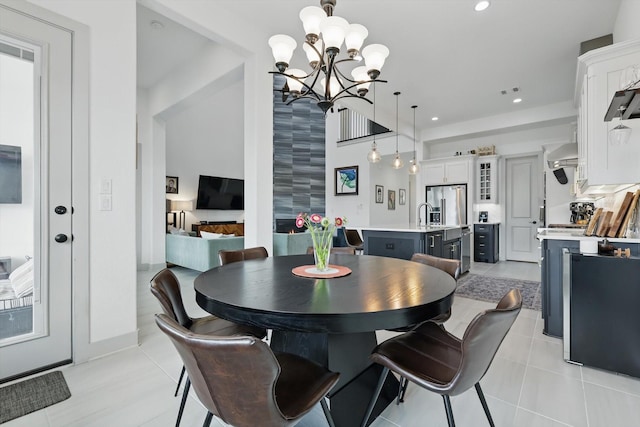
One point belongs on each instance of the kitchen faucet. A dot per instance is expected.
(429, 208)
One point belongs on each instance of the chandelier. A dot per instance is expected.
(325, 83)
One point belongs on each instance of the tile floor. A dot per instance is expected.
(528, 385)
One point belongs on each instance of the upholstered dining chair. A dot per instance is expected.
(243, 382)
(354, 240)
(440, 362)
(227, 257)
(166, 288)
(336, 250)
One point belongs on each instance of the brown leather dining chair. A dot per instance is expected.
(243, 382)
(354, 240)
(227, 257)
(166, 288)
(440, 362)
(449, 266)
(336, 250)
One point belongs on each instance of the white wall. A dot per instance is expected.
(626, 26)
(207, 139)
(112, 146)
(16, 129)
(513, 143)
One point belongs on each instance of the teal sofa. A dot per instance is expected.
(197, 253)
(291, 244)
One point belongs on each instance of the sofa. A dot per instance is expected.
(197, 253)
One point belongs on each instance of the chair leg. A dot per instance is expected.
(448, 410)
(207, 420)
(185, 394)
(484, 404)
(327, 412)
(404, 383)
(374, 398)
(179, 381)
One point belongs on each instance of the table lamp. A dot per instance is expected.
(182, 206)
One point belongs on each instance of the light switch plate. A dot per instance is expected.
(105, 202)
(105, 186)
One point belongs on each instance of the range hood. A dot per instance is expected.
(564, 156)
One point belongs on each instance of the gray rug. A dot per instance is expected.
(491, 289)
(31, 395)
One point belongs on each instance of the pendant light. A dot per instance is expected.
(415, 167)
(397, 161)
(374, 156)
(620, 134)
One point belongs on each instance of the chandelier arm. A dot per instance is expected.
(338, 97)
(302, 94)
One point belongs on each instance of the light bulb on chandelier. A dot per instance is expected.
(324, 36)
(397, 161)
(415, 167)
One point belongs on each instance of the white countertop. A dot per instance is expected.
(577, 234)
(408, 228)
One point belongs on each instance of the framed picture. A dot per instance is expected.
(346, 181)
(379, 194)
(402, 196)
(391, 200)
(172, 185)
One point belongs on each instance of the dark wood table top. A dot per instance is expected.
(380, 293)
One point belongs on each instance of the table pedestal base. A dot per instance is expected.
(347, 354)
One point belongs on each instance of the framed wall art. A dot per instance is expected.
(402, 196)
(172, 185)
(391, 200)
(379, 194)
(346, 181)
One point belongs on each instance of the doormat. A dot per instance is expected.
(492, 289)
(32, 395)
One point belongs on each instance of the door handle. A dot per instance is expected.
(60, 210)
(534, 222)
(61, 238)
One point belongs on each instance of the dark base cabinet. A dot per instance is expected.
(395, 244)
(551, 283)
(486, 238)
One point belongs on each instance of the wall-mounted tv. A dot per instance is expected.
(10, 174)
(220, 193)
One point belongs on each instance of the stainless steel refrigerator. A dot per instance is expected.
(449, 204)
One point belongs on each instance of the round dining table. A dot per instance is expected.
(330, 320)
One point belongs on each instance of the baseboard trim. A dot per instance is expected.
(110, 345)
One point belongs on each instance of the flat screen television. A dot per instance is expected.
(10, 174)
(220, 193)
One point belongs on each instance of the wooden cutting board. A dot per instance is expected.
(604, 224)
(593, 222)
(620, 214)
(630, 211)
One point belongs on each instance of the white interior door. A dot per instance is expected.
(522, 208)
(35, 223)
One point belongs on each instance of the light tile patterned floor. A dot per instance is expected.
(528, 385)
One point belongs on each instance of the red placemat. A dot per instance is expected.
(310, 271)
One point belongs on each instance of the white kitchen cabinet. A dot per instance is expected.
(487, 179)
(598, 78)
(456, 170)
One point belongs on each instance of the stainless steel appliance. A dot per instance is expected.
(450, 201)
(465, 253)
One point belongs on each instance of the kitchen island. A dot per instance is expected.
(402, 241)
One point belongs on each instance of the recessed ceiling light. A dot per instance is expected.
(434, 119)
(156, 25)
(482, 5)
(517, 100)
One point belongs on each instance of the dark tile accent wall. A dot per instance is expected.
(298, 156)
